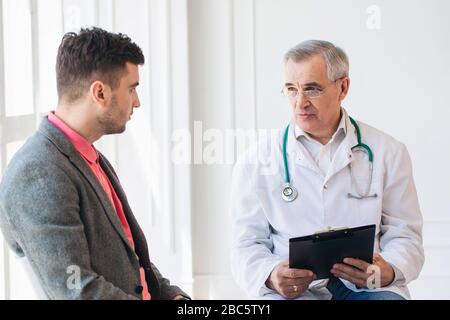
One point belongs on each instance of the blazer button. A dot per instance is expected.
(138, 289)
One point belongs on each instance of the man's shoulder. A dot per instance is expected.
(37, 157)
(37, 149)
(376, 138)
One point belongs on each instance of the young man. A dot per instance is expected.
(61, 203)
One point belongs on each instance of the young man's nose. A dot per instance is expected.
(137, 102)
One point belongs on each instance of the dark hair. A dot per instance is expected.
(92, 54)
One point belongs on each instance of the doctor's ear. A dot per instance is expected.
(100, 93)
(344, 85)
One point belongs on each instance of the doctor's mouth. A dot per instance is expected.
(306, 116)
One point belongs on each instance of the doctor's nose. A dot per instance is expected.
(301, 102)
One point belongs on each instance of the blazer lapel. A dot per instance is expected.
(64, 145)
(110, 211)
(140, 242)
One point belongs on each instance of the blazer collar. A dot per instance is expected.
(62, 143)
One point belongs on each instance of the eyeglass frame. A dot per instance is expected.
(322, 91)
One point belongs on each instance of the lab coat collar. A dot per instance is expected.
(297, 152)
(343, 156)
(299, 132)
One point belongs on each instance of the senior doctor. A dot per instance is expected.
(324, 169)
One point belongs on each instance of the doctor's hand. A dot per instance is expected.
(357, 271)
(290, 283)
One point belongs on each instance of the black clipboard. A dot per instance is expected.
(320, 251)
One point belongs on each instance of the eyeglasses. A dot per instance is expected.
(309, 92)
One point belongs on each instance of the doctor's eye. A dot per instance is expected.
(309, 89)
(291, 90)
(312, 91)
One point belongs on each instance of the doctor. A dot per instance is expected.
(324, 170)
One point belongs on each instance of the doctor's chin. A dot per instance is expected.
(224, 150)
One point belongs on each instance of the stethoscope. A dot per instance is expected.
(289, 193)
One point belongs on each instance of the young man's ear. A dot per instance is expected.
(100, 93)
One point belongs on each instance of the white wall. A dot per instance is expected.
(399, 70)
(219, 62)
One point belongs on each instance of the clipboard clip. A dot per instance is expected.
(330, 229)
(332, 233)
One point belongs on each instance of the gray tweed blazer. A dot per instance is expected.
(54, 212)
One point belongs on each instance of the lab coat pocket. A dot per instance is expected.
(365, 191)
(363, 178)
(368, 198)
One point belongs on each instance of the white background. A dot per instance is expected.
(220, 62)
(399, 83)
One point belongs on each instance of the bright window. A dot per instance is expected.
(17, 57)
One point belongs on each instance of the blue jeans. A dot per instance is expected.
(341, 292)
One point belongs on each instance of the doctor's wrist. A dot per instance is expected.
(269, 283)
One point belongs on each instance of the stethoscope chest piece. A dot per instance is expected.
(289, 193)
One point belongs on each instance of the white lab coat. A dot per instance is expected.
(262, 222)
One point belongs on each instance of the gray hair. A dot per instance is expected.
(335, 58)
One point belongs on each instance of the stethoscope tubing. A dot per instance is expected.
(289, 193)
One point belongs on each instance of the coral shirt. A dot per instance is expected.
(90, 155)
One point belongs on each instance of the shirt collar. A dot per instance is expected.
(83, 146)
(342, 127)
